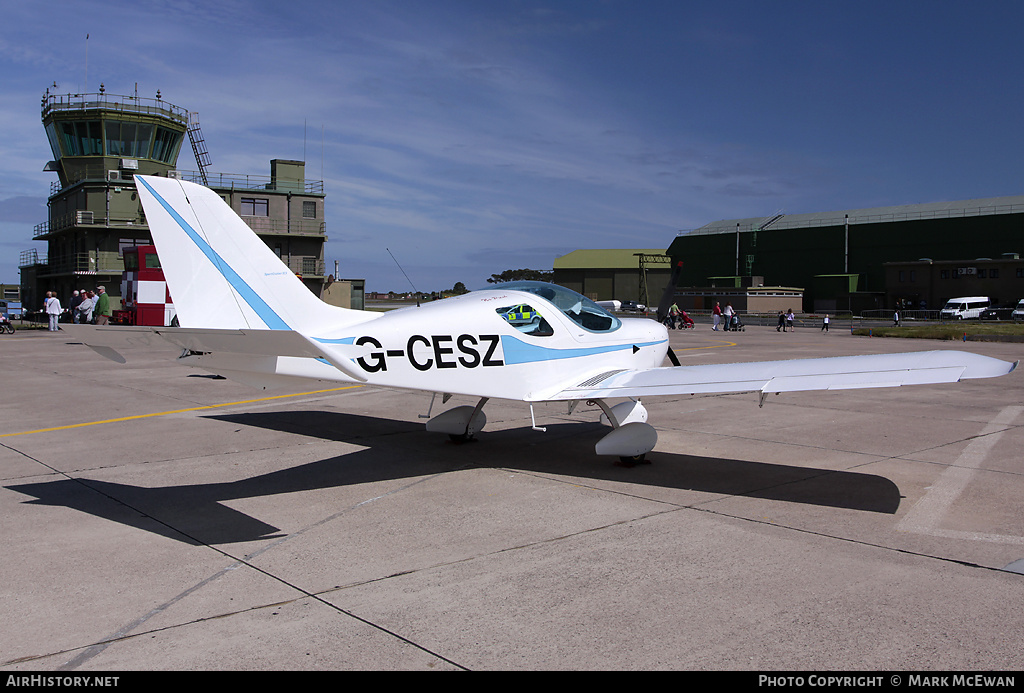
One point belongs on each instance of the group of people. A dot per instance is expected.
(727, 317)
(787, 318)
(786, 321)
(85, 307)
(720, 316)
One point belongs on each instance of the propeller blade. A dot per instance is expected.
(672, 357)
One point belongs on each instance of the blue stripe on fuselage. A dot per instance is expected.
(517, 351)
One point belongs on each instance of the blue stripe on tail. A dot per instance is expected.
(262, 309)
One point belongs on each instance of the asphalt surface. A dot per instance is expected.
(156, 518)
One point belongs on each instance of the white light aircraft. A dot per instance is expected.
(244, 315)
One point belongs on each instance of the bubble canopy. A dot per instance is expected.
(577, 307)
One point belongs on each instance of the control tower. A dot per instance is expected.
(97, 136)
(99, 143)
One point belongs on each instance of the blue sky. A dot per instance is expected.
(470, 137)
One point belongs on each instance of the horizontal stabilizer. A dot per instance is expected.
(202, 340)
(108, 341)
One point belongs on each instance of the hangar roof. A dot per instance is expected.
(615, 258)
(875, 215)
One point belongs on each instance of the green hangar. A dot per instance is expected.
(856, 259)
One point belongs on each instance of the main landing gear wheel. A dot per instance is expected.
(460, 438)
(633, 461)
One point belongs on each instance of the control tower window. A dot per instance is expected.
(72, 147)
(165, 146)
(51, 134)
(82, 138)
(128, 139)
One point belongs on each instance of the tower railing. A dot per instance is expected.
(136, 105)
(231, 181)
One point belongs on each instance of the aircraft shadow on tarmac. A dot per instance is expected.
(197, 514)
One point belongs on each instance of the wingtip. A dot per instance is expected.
(978, 366)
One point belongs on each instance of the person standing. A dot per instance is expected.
(824, 323)
(76, 300)
(85, 308)
(673, 314)
(52, 307)
(102, 306)
(716, 315)
(790, 321)
(728, 313)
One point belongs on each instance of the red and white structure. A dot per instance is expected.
(147, 300)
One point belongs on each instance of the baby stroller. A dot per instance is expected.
(736, 325)
(685, 320)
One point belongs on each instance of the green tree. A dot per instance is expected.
(521, 275)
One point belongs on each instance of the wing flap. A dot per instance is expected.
(799, 375)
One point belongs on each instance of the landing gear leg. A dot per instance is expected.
(631, 437)
(461, 423)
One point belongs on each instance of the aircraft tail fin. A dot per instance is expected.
(219, 273)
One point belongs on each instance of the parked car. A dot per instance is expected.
(631, 306)
(1018, 312)
(1003, 312)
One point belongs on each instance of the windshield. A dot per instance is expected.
(576, 307)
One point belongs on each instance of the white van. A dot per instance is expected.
(964, 308)
(1018, 312)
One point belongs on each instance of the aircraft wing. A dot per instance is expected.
(836, 373)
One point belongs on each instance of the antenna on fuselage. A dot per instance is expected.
(414, 290)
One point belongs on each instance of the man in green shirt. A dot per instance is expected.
(102, 306)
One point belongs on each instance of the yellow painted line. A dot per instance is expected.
(175, 411)
(247, 401)
(710, 346)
